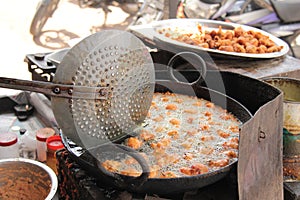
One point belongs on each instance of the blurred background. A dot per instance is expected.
(73, 20)
(68, 24)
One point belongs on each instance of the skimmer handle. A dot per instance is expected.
(56, 90)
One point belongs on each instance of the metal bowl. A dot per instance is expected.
(26, 179)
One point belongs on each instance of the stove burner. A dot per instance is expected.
(75, 182)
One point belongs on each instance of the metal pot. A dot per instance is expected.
(27, 179)
(291, 125)
(291, 109)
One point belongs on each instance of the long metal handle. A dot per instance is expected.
(192, 58)
(56, 90)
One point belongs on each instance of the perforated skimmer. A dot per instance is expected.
(118, 61)
(109, 77)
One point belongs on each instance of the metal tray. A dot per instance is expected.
(163, 42)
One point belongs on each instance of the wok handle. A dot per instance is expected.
(57, 90)
(192, 58)
(122, 181)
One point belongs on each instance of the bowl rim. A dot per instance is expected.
(53, 177)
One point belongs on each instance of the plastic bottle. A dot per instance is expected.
(41, 137)
(9, 147)
(27, 142)
(54, 143)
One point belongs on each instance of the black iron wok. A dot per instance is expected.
(163, 185)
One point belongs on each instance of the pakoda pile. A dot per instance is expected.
(237, 40)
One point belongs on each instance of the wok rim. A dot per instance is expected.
(210, 177)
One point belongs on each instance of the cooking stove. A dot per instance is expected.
(76, 183)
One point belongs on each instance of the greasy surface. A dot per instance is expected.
(184, 136)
